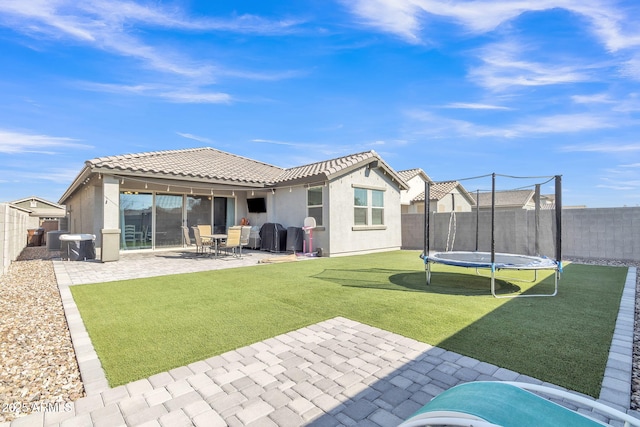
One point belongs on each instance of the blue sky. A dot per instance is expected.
(457, 88)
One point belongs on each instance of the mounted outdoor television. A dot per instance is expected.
(257, 205)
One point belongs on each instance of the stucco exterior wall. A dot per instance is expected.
(291, 206)
(85, 210)
(346, 238)
(458, 203)
(416, 186)
(291, 210)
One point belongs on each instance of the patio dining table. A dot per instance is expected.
(216, 238)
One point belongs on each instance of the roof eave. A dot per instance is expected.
(142, 176)
(77, 182)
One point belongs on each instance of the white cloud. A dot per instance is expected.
(599, 98)
(615, 28)
(185, 95)
(437, 126)
(194, 137)
(503, 67)
(617, 187)
(114, 26)
(474, 106)
(16, 143)
(630, 68)
(398, 17)
(603, 148)
(271, 141)
(629, 102)
(196, 97)
(566, 123)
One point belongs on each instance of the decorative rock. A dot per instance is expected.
(37, 362)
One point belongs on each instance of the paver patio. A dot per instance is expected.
(334, 373)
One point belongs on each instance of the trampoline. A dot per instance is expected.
(496, 261)
(501, 261)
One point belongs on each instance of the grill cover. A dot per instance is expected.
(273, 237)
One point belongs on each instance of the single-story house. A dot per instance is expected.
(40, 210)
(446, 196)
(44, 216)
(354, 199)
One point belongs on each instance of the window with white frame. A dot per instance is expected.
(314, 204)
(377, 207)
(368, 207)
(361, 206)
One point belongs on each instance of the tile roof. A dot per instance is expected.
(439, 190)
(506, 198)
(204, 163)
(406, 175)
(214, 165)
(333, 167)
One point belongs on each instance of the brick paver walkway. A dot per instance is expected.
(333, 373)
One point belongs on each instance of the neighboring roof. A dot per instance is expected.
(37, 199)
(214, 166)
(42, 209)
(512, 198)
(406, 175)
(439, 190)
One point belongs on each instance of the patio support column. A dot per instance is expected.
(110, 219)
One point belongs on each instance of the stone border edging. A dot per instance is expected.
(616, 383)
(92, 375)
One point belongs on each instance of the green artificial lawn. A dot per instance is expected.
(144, 326)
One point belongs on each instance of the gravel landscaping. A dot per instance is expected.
(38, 367)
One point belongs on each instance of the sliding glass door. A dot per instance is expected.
(198, 211)
(168, 220)
(147, 221)
(135, 221)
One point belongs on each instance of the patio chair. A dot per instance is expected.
(205, 230)
(232, 244)
(130, 234)
(185, 235)
(245, 232)
(201, 246)
(509, 404)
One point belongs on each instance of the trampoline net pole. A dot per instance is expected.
(427, 208)
(493, 218)
(537, 220)
(425, 249)
(559, 220)
(477, 218)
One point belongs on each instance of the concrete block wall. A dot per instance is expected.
(607, 233)
(599, 233)
(13, 234)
